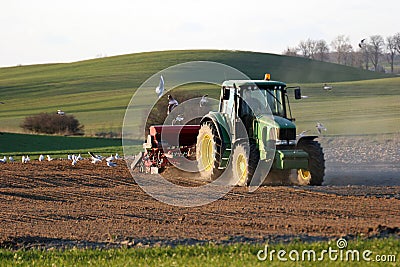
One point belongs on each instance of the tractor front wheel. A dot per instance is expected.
(314, 174)
(244, 162)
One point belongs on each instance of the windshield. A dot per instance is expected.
(259, 99)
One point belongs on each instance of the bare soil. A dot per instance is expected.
(55, 204)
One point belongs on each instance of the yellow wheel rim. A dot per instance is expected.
(304, 174)
(241, 168)
(207, 152)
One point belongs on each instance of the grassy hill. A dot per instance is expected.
(97, 91)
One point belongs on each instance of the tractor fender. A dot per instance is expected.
(310, 137)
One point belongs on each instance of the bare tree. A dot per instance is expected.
(291, 51)
(397, 41)
(341, 44)
(375, 47)
(391, 48)
(321, 50)
(307, 48)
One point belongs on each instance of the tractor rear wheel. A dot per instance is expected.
(314, 174)
(244, 162)
(208, 151)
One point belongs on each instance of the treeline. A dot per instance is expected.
(371, 53)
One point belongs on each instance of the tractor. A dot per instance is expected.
(253, 127)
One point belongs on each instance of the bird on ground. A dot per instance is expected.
(49, 158)
(327, 87)
(3, 160)
(79, 157)
(203, 100)
(74, 162)
(179, 118)
(95, 158)
(110, 158)
(117, 156)
(69, 157)
(160, 87)
(10, 159)
(41, 158)
(111, 164)
(25, 159)
(2, 103)
(320, 127)
(60, 112)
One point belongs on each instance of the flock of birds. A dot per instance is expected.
(110, 161)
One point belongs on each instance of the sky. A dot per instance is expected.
(52, 31)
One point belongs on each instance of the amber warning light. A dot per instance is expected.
(267, 77)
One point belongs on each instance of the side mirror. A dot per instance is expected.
(225, 93)
(297, 93)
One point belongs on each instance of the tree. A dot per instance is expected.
(291, 51)
(321, 50)
(307, 48)
(391, 48)
(397, 41)
(375, 48)
(341, 44)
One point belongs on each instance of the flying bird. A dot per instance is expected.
(203, 101)
(320, 127)
(179, 118)
(160, 87)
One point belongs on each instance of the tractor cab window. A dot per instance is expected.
(255, 101)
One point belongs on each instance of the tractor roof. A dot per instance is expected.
(259, 83)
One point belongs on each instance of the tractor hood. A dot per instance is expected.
(285, 129)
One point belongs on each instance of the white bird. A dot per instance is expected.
(11, 159)
(117, 156)
(179, 118)
(69, 157)
(95, 156)
(320, 127)
(110, 158)
(160, 87)
(25, 159)
(95, 160)
(49, 158)
(361, 44)
(3, 160)
(111, 164)
(74, 162)
(79, 157)
(41, 158)
(203, 101)
(327, 87)
(304, 96)
(60, 112)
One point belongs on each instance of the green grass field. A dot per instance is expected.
(97, 91)
(213, 255)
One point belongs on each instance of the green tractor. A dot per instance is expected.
(254, 130)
